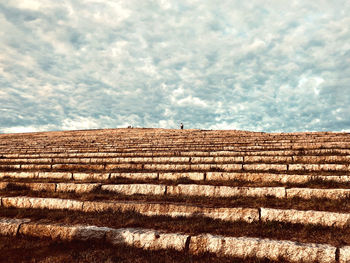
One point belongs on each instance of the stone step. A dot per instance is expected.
(212, 153)
(149, 239)
(256, 159)
(186, 190)
(232, 214)
(182, 167)
(144, 208)
(265, 178)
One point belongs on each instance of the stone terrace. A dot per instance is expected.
(189, 194)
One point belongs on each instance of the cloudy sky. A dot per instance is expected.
(251, 65)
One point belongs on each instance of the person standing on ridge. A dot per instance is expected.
(182, 126)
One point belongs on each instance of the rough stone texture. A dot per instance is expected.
(3, 185)
(227, 167)
(168, 159)
(35, 166)
(147, 239)
(17, 202)
(308, 193)
(49, 187)
(335, 178)
(154, 209)
(91, 206)
(167, 167)
(9, 226)
(202, 159)
(228, 159)
(268, 159)
(265, 167)
(79, 166)
(77, 188)
(232, 214)
(316, 158)
(191, 190)
(38, 160)
(344, 254)
(35, 202)
(318, 167)
(55, 175)
(131, 189)
(306, 217)
(202, 167)
(175, 176)
(224, 191)
(269, 178)
(30, 175)
(243, 247)
(136, 166)
(10, 166)
(257, 177)
(90, 176)
(63, 232)
(135, 176)
(71, 160)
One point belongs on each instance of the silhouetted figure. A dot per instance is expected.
(182, 126)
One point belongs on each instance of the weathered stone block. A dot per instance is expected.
(9, 226)
(77, 188)
(131, 189)
(147, 239)
(305, 217)
(243, 247)
(90, 176)
(55, 175)
(136, 176)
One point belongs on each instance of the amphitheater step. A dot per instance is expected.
(234, 194)
(183, 190)
(149, 239)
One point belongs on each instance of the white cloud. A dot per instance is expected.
(229, 64)
(191, 101)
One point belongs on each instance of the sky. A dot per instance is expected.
(272, 66)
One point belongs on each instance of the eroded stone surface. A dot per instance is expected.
(9, 226)
(344, 254)
(63, 232)
(225, 191)
(308, 193)
(318, 167)
(269, 178)
(55, 175)
(3, 185)
(135, 176)
(19, 175)
(49, 187)
(233, 214)
(257, 177)
(35, 202)
(243, 247)
(131, 189)
(191, 190)
(154, 209)
(77, 188)
(90, 176)
(265, 167)
(147, 239)
(186, 175)
(305, 217)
